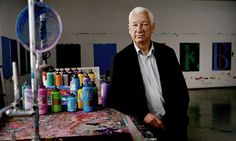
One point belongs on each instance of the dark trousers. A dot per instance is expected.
(169, 134)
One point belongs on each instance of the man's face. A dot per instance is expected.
(140, 28)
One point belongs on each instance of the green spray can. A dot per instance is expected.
(56, 100)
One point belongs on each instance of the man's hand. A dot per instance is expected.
(154, 121)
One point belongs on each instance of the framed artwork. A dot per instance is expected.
(189, 56)
(221, 56)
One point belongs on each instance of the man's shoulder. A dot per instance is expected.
(129, 49)
(161, 46)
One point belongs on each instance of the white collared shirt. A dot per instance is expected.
(151, 80)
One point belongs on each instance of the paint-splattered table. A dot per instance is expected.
(107, 124)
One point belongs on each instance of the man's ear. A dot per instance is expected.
(153, 27)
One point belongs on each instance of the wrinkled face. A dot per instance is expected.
(140, 28)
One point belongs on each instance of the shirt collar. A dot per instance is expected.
(140, 52)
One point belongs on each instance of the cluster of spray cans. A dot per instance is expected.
(28, 100)
(63, 77)
(83, 92)
(83, 87)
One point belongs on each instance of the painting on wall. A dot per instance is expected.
(189, 56)
(103, 55)
(221, 56)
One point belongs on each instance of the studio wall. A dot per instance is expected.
(193, 21)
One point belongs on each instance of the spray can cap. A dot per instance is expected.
(55, 88)
(42, 86)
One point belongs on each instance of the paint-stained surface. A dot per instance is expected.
(103, 124)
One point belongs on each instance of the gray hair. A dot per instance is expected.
(142, 9)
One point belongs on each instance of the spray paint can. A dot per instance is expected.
(42, 100)
(58, 79)
(87, 98)
(70, 74)
(79, 98)
(28, 97)
(56, 100)
(71, 103)
(74, 84)
(65, 78)
(50, 78)
(105, 88)
(86, 79)
(91, 75)
(81, 77)
(75, 71)
(44, 74)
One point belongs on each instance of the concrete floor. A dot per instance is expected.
(212, 114)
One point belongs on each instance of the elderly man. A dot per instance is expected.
(147, 82)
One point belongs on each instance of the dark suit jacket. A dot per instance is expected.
(128, 93)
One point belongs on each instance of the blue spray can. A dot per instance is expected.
(71, 103)
(74, 84)
(87, 98)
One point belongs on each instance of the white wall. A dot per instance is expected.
(203, 21)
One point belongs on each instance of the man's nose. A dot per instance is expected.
(139, 28)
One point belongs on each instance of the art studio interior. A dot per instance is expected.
(52, 51)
